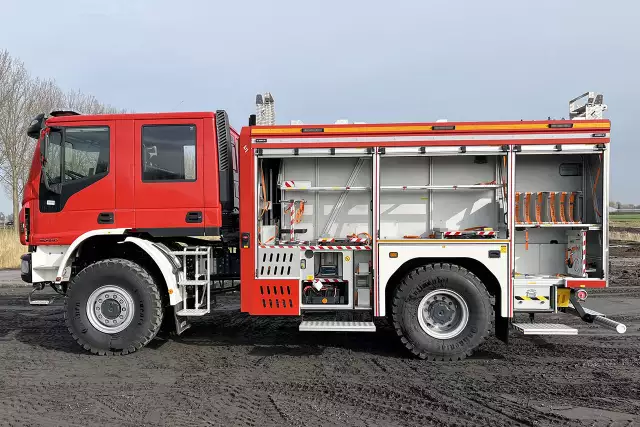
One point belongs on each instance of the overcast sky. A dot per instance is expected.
(369, 60)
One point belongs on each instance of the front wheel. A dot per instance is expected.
(113, 307)
(442, 312)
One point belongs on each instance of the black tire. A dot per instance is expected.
(420, 282)
(147, 304)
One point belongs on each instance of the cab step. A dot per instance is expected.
(192, 312)
(544, 329)
(336, 326)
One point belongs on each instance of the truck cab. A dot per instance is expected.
(157, 175)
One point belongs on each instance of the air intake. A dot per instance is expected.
(225, 170)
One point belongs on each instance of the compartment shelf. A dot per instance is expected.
(399, 187)
(558, 225)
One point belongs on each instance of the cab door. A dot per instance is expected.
(169, 190)
(79, 192)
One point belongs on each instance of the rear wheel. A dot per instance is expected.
(442, 312)
(113, 307)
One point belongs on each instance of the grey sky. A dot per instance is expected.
(362, 60)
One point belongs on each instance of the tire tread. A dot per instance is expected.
(403, 287)
(150, 287)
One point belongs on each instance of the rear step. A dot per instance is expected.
(545, 329)
(336, 326)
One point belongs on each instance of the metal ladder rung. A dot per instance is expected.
(192, 312)
(544, 329)
(336, 326)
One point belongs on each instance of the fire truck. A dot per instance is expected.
(449, 231)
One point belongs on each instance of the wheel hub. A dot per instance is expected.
(443, 314)
(110, 309)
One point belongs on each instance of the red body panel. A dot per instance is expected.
(165, 204)
(577, 283)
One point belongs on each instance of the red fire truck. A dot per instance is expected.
(450, 231)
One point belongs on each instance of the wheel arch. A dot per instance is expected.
(489, 280)
(152, 256)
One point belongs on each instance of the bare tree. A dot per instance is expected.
(16, 107)
(21, 98)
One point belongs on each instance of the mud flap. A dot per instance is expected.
(181, 323)
(502, 328)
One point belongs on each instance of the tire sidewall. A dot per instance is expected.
(470, 290)
(124, 275)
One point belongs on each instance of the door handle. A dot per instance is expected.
(105, 218)
(194, 217)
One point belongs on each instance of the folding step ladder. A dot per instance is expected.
(194, 280)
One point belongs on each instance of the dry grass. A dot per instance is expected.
(625, 236)
(10, 249)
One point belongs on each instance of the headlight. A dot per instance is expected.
(24, 267)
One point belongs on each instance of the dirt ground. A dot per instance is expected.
(232, 370)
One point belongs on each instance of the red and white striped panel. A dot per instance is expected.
(477, 233)
(319, 248)
(328, 280)
(336, 248)
(326, 239)
(358, 240)
(289, 184)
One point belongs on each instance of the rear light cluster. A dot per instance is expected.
(581, 294)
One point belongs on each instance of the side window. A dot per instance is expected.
(53, 167)
(86, 152)
(168, 153)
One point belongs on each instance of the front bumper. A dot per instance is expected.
(25, 268)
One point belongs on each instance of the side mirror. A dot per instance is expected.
(35, 126)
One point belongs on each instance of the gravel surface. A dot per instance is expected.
(230, 369)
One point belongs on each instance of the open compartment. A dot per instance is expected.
(443, 196)
(559, 215)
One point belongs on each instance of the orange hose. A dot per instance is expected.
(572, 204)
(563, 218)
(552, 207)
(527, 207)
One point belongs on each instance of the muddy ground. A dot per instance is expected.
(231, 370)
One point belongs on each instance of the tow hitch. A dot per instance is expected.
(591, 316)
